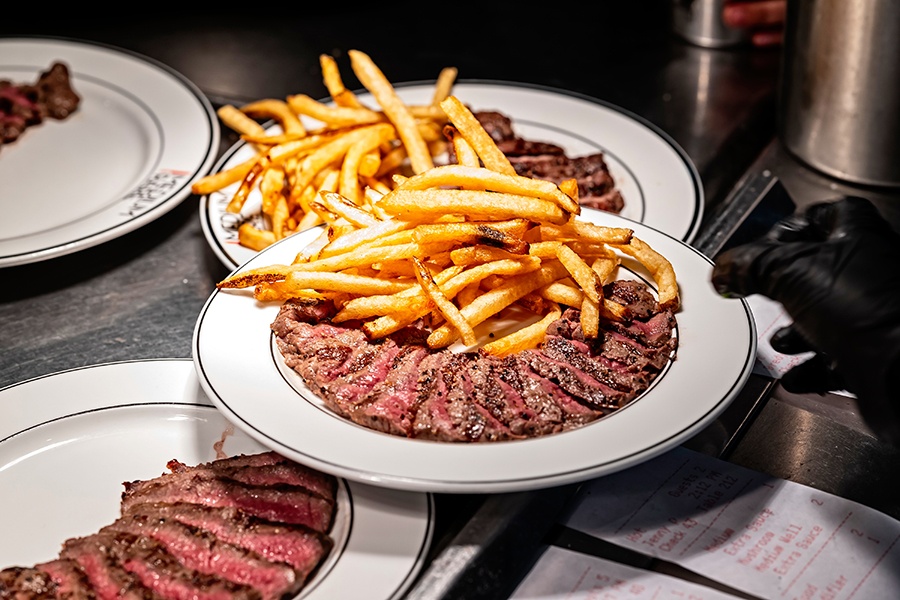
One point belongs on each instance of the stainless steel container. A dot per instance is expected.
(700, 23)
(840, 88)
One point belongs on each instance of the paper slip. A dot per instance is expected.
(765, 536)
(566, 574)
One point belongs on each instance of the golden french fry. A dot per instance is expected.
(444, 84)
(478, 178)
(253, 238)
(448, 309)
(278, 110)
(527, 337)
(581, 272)
(500, 234)
(331, 76)
(397, 112)
(586, 232)
(425, 205)
(343, 207)
(238, 121)
(495, 300)
(334, 116)
(465, 153)
(590, 318)
(469, 127)
(660, 268)
(216, 181)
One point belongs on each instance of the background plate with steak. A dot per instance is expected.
(69, 442)
(243, 372)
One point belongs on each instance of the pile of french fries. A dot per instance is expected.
(353, 147)
(455, 244)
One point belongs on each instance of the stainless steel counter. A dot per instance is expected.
(138, 296)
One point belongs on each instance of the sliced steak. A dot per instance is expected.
(199, 550)
(71, 582)
(392, 404)
(299, 546)
(447, 412)
(282, 504)
(26, 583)
(262, 473)
(167, 577)
(98, 556)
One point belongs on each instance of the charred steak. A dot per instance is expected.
(249, 527)
(397, 385)
(25, 105)
(543, 160)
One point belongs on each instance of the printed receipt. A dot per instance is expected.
(765, 536)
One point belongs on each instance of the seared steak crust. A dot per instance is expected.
(399, 386)
(248, 527)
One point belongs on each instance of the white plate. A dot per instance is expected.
(141, 136)
(69, 440)
(240, 371)
(658, 181)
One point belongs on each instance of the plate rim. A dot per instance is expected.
(25, 422)
(200, 167)
(693, 228)
(400, 481)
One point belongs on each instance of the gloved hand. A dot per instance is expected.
(836, 270)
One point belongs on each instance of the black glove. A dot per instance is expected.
(836, 270)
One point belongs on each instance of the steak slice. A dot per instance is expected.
(392, 404)
(199, 550)
(299, 546)
(98, 556)
(26, 583)
(572, 379)
(71, 582)
(263, 472)
(282, 504)
(161, 572)
(499, 398)
(446, 413)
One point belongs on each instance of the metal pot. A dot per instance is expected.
(840, 88)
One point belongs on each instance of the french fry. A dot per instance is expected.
(424, 205)
(527, 337)
(331, 76)
(469, 127)
(448, 309)
(660, 268)
(492, 302)
(485, 179)
(397, 112)
(278, 110)
(444, 85)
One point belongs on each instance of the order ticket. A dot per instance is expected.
(765, 536)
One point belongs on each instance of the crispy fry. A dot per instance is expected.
(469, 127)
(660, 268)
(444, 85)
(477, 178)
(527, 337)
(492, 302)
(278, 110)
(331, 76)
(425, 205)
(374, 80)
(447, 308)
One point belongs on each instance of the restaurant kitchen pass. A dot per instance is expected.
(762, 535)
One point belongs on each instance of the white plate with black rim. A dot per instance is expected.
(142, 134)
(658, 181)
(69, 440)
(243, 373)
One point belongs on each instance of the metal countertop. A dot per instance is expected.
(138, 296)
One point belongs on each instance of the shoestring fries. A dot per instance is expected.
(458, 245)
(308, 138)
